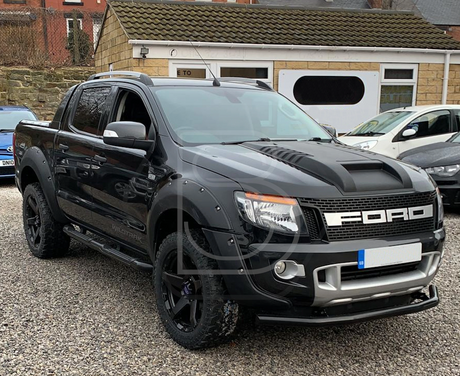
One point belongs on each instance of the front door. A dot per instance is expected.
(122, 189)
(73, 151)
(435, 126)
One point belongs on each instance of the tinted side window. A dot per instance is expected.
(89, 109)
(432, 124)
(457, 120)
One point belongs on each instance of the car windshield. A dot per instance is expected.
(381, 124)
(456, 138)
(212, 115)
(9, 119)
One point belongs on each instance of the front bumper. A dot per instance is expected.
(424, 302)
(326, 297)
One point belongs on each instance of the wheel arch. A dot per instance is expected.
(34, 167)
(186, 200)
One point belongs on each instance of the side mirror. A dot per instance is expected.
(409, 133)
(127, 134)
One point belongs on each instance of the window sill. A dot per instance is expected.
(72, 3)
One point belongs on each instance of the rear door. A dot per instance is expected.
(434, 126)
(123, 187)
(73, 150)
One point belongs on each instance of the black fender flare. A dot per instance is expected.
(191, 198)
(35, 159)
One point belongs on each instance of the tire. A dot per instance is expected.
(44, 235)
(192, 307)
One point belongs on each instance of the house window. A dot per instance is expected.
(262, 71)
(398, 86)
(14, 1)
(72, 2)
(329, 90)
(69, 22)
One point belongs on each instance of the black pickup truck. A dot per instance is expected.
(231, 197)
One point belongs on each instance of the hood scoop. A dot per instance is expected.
(350, 170)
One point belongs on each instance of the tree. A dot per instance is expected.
(78, 43)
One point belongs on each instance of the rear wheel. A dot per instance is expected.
(44, 235)
(191, 301)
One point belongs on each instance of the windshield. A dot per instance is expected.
(212, 115)
(381, 124)
(456, 138)
(9, 119)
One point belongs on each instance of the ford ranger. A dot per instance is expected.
(232, 198)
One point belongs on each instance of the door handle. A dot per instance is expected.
(63, 147)
(100, 158)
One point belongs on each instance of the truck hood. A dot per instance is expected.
(307, 169)
(438, 154)
(6, 140)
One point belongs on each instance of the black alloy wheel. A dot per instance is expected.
(45, 236)
(182, 293)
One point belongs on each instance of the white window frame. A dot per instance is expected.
(71, 19)
(401, 82)
(215, 66)
(73, 1)
(97, 27)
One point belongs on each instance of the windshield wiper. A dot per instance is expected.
(262, 139)
(368, 134)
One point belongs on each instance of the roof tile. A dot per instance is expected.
(274, 25)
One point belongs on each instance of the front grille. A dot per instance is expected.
(312, 223)
(7, 170)
(355, 230)
(350, 273)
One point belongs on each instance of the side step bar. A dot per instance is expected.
(107, 250)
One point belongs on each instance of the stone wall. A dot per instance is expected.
(40, 90)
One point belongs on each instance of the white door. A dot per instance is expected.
(342, 99)
(435, 126)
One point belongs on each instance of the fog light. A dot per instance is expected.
(280, 267)
(286, 269)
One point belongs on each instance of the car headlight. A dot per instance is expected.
(440, 208)
(271, 212)
(445, 171)
(366, 145)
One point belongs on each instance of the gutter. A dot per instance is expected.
(136, 42)
(447, 53)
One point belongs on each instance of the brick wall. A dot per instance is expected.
(320, 65)
(40, 90)
(430, 79)
(113, 47)
(455, 32)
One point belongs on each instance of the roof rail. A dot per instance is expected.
(141, 76)
(259, 83)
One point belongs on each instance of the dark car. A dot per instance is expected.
(232, 198)
(10, 116)
(442, 161)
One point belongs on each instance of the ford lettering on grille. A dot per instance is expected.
(379, 216)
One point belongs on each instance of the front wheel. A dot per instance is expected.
(191, 299)
(44, 234)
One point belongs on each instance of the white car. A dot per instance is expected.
(396, 131)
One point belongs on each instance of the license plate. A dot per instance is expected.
(8, 162)
(385, 256)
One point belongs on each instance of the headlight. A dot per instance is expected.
(271, 212)
(445, 171)
(440, 208)
(367, 145)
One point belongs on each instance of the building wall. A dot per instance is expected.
(454, 32)
(18, 4)
(113, 47)
(85, 5)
